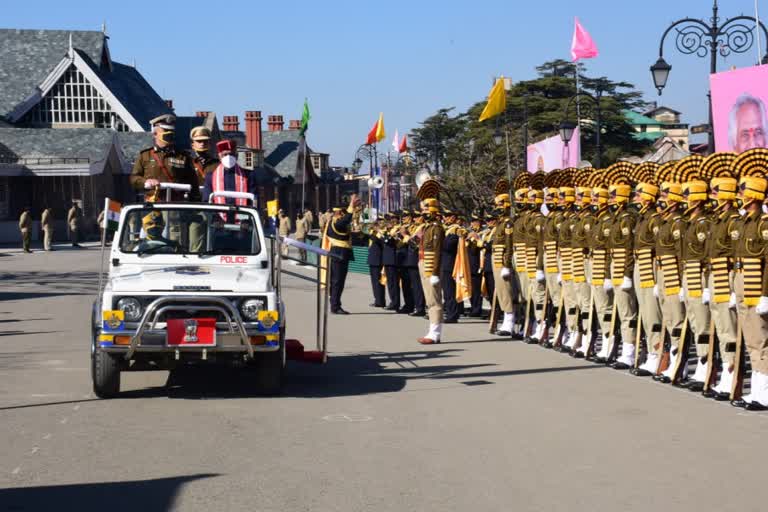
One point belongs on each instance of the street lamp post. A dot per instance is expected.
(696, 37)
(567, 128)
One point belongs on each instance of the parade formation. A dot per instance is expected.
(654, 269)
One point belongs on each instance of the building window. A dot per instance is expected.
(249, 159)
(73, 100)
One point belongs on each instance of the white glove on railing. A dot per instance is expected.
(732, 301)
(681, 295)
(540, 277)
(706, 296)
(762, 306)
(656, 291)
(559, 278)
(627, 284)
(434, 280)
(505, 273)
(607, 284)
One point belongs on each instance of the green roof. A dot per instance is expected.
(650, 136)
(639, 119)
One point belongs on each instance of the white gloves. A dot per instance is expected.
(681, 295)
(762, 306)
(559, 278)
(505, 273)
(540, 277)
(732, 301)
(706, 296)
(627, 284)
(434, 280)
(607, 285)
(656, 291)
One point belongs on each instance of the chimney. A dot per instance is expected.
(202, 113)
(294, 124)
(169, 104)
(275, 123)
(231, 124)
(253, 129)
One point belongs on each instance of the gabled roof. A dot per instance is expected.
(282, 150)
(635, 118)
(27, 57)
(89, 144)
(658, 109)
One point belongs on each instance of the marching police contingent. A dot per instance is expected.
(655, 269)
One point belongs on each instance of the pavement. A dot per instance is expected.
(476, 423)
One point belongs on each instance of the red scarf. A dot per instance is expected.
(241, 184)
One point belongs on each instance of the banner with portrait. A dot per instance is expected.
(553, 153)
(739, 100)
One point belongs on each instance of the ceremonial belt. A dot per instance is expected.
(671, 274)
(693, 278)
(645, 266)
(753, 280)
(383, 276)
(579, 275)
(550, 253)
(530, 261)
(619, 263)
(340, 243)
(498, 255)
(429, 263)
(722, 281)
(520, 257)
(598, 266)
(566, 263)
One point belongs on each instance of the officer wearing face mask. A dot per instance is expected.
(163, 163)
(228, 176)
(202, 159)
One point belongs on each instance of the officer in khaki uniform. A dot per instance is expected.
(284, 229)
(693, 263)
(565, 244)
(720, 276)
(521, 282)
(25, 227)
(550, 237)
(46, 221)
(430, 237)
(750, 237)
(163, 163)
(583, 224)
(668, 251)
(502, 259)
(202, 159)
(600, 279)
(534, 247)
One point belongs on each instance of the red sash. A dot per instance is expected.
(241, 184)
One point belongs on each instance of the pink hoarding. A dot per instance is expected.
(739, 99)
(552, 153)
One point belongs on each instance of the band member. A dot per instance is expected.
(412, 264)
(201, 157)
(430, 247)
(487, 257)
(403, 274)
(339, 233)
(447, 263)
(389, 260)
(375, 267)
(474, 251)
(164, 163)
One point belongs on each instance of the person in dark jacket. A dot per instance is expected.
(474, 248)
(389, 260)
(402, 264)
(412, 265)
(490, 283)
(447, 262)
(339, 233)
(375, 249)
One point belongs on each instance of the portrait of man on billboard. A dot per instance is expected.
(747, 124)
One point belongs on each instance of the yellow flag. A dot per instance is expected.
(380, 134)
(272, 208)
(497, 101)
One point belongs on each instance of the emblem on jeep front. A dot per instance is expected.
(190, 331)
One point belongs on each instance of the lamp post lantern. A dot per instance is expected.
(567, 128)
(696, 37)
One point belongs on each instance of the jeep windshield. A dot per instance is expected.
(184, 231)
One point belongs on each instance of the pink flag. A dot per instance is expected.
(582, 47)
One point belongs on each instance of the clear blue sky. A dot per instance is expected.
(353, 59)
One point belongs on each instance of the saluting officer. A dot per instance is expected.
(163, 163)
(339, 233)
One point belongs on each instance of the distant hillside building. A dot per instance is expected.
(660, 122)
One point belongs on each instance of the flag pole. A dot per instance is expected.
(304, 172)
(757, 30)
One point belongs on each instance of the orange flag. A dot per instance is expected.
(377, 133)
(461, 272)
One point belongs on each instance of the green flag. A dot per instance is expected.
(305, 117)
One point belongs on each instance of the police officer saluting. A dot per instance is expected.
(163, 163)
(339, 233)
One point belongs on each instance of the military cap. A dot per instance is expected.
(200, 133)
(165, 121)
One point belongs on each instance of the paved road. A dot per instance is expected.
(473, 424)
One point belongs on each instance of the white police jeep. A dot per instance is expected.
(188, 284)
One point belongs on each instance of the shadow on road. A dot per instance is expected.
(54, 284)
(147, 495)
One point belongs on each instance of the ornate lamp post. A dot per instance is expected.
(696, 37)
(567, 128)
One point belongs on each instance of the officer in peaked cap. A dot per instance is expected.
(163, 163)
(202, 159)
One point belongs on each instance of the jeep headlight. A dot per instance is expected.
(250, 308)
(131, 307)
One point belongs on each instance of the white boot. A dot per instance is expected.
(605, 348)
(670, 371)
(539, 332)
(508, 323)
(437, 332)
(700, 374)
(572, 337)
(434, 332)
(627, 354)
(651, 364)
(726, 382)
(759, 388)
(584, 343)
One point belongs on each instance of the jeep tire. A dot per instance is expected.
(269, 368)
(105, 371)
